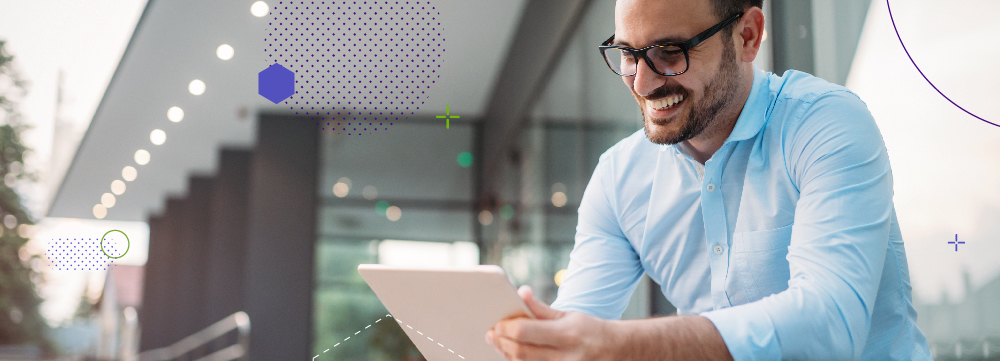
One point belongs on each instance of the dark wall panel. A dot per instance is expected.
(228, 234)
(281, 242)
(192, 260)
(154, 302)
(793, 35)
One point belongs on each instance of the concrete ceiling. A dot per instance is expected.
(175, 42)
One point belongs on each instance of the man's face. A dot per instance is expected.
(678, 108)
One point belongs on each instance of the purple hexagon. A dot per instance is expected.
(276, 83)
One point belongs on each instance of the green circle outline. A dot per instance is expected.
(128, 243)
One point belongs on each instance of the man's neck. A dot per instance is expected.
(703, 146)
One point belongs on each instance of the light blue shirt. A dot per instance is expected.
(786, 239)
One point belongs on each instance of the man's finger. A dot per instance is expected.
(526, 330)
(539, 309)
(521, 351)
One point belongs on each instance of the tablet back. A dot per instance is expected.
(446, 312)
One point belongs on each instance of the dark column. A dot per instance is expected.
(160, 287)
(192, 259)
(152, 314)
(228, 234)
(282, 224)
(793, 35)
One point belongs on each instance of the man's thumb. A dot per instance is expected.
(539, 309)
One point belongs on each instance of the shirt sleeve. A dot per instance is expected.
(836, 158)
(603, 267)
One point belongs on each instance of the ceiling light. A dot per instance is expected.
(117, 187)
(175, 114)
(108, 200)
(259, 9)
(141, 156)
(158, 136)
(196, 87)
(100, 212)
(129, 173)
(224, 52)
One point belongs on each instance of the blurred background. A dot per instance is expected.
(143, 116)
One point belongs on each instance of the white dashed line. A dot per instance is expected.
(401, 323)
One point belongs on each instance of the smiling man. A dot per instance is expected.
(761, 204)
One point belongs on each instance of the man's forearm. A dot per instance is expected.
(668, 338)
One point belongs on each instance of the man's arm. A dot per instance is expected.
(573, 336)
(837, 160)
(670, 338)
(604, 268)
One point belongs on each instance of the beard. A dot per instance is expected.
(721, 90)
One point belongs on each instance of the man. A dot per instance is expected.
(761, 204)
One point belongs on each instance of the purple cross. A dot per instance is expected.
(956, 242)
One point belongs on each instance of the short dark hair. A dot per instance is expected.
(726, 8)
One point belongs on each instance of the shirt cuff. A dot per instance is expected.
(747, 331)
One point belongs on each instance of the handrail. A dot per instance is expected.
(239, 321)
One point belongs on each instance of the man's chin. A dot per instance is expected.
(660, 134)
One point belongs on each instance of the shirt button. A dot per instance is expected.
(718, 249)
(710, 187)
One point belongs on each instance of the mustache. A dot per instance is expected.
(667, 90)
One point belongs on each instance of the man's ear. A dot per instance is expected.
(750, 30)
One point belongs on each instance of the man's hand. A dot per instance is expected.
(555, 335)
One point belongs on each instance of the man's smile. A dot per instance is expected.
(663, 107)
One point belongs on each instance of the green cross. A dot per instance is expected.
(447, 117)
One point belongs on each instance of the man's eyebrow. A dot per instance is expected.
(660, 41)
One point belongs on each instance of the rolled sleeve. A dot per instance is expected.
(836, 157)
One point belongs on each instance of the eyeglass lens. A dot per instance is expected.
(667, 60)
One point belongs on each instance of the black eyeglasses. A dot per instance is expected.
(665, 59)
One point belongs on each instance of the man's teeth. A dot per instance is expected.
(667, 102)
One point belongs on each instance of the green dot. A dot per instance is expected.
(507, 212)
(380, 207)
(465, 159)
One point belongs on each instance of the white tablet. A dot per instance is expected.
(446, 312)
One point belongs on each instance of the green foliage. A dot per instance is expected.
(20, 321)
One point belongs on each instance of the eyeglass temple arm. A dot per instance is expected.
(697, 39)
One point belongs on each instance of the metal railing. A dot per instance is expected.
(238, 321)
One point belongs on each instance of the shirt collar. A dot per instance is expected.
(753, 116)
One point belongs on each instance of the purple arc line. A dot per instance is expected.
(922, 73)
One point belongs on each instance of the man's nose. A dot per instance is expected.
(645, 80)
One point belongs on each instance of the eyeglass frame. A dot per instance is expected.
(685, 46)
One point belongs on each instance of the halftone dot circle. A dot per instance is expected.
(376, 59)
